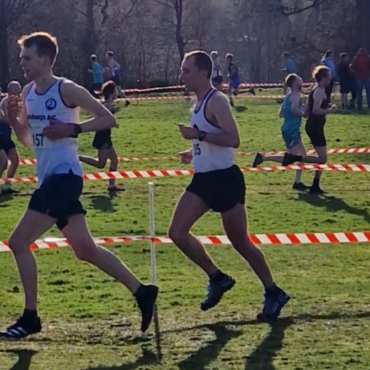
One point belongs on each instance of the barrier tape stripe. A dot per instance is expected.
(31, 161)
(218, 240)
(169, 173)
(177, 87)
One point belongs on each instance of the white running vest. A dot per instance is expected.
(216, 72)
(53, 157)
(208, 157)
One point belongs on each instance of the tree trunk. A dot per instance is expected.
(362, 29)
(89, 43)
(4, 47)
(179, 39)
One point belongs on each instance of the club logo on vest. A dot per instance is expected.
(51, 104)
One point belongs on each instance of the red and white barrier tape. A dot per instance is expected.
(31, 161)
(259, 239)
(170, 173)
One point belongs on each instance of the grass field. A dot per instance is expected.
(91, 322)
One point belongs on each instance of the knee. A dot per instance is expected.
(17, 244)
(323, 159)
(114, 163)
(101, 164)
(176, 234)
(86, 252)
(3, 163)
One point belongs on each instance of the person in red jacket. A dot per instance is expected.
(360, 66)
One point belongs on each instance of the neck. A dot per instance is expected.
(44, 81)
(321, 85)
(203, 90)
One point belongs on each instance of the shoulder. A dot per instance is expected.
(218, 98)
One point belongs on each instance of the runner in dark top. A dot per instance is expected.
(316, 109)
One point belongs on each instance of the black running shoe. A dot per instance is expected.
(273, 304)
(8, 191)
(316, 190)
(146, 297)
(258, 159)
(216, 290)
(22, 329)
(300, 186)
(127, 103)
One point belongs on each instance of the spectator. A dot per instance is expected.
(345, 78)
(327, 61)
(97, 72)
(290, 68)
(360, 66)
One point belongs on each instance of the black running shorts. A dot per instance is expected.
(221, 190)
(6, 144)
(102, 139)
(58, 197)
(316, 135)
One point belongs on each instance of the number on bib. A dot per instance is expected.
(197, 150)
(200, 148)
(39, 141)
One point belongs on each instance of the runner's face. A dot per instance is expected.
(189, 73)
(32, 64)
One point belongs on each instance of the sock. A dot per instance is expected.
(112, 182)
(218, 276)
(316, 182)
(139, 291)
(272, 290)
(29, 314)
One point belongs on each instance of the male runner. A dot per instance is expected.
(317, 107)
(97, 72)
(292, 112)
(218, 184)
(114, 69)
(103, 140)
(234, 83)
(8, 151)
(217, 78)
(49, 123)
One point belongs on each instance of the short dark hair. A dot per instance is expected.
(45, 43)
(320, 72)
(202, 61)
(108, 89)
(328, 54)
(290, 79)
(343, 55)
(110, 53)
(285, 54)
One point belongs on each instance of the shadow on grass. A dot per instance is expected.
(332, 204)
(208, 353)
(102, 203)
(24, 358)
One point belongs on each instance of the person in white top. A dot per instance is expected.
(49, 122)
(217, 78)
(218, 184)
(114, 72)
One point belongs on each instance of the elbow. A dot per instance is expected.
(111, 121)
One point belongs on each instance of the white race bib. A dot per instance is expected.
(200, 148)
(39, 141)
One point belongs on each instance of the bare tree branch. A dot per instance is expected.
(287, 10)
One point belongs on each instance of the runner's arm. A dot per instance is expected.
(219, 108)
(319, 97)
(20, 125)
(281, 112)
(295, 105)
(77, 96)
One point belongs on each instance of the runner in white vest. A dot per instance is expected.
(218, 184)
(49, 123)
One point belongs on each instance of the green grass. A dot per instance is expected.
(91, 322)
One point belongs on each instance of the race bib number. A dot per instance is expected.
(200, 148)
(39, 141)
